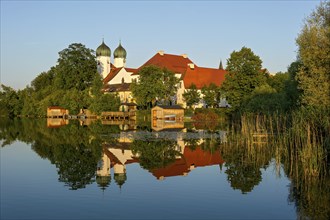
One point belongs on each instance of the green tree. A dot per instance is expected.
(211, 95)
(10, 102)
(265, 99)
(191, 95)
(153, 84)
(76, 68)
(291, 85)
(244, 75)
(43, 80)
(278, 81)
(314, 52)
(105, 102)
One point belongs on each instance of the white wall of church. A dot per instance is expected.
(123, 74)
(103, 168)
(119, 62)
(103, 65)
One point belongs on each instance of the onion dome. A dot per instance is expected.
(120, 52)
(103, 50)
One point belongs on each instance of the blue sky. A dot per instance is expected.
(33, 32)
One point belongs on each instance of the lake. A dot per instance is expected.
(92, 170)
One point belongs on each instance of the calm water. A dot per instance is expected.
(129, 172)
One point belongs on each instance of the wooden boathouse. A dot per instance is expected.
(167, 113)
(57, 112)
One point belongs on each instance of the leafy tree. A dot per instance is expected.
(76, 68)
(191, 95)
(170, 85)
(153, 84)
(314, 52)
(244, 75)
(211, 95)
(43, 80)
(278, 81)
(105, 102)
(10, 103)
(265, 99)
(291, 85)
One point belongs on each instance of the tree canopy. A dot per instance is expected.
(314, 53)
(244, 75)
(154, 84)
(191, 95)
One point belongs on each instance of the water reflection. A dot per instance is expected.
(95, 152)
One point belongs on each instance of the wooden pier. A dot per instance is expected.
(118, 116)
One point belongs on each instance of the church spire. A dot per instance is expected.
(220, 65)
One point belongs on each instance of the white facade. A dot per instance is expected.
(103, 167)
(122, 76)
(103, 65)
(119, 62)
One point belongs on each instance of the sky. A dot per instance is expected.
(34, 32)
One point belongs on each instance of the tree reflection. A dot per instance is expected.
(75, 150)
(155, 153)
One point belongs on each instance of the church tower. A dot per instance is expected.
(103, 54)
(120, 56)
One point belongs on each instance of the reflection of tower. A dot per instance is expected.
(119, 170)
(103, 177)
(103, 54)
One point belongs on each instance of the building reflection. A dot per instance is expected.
(118, 155)
(56, 122)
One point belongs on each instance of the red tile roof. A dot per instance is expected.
(201, 76)
(175, 63)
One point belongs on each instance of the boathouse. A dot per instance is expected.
(167, 113)
(57, 112)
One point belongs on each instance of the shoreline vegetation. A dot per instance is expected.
(291, 109)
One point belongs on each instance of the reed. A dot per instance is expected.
(300, 138)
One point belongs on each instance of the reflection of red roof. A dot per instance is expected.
(197, 157)
(178, 168)
(175, 63)
(201, 158)
(201, 76)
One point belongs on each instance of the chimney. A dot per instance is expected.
(191, 66)
(184, 55)
(161, 52)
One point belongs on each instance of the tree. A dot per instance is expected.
(265, 99)
(314, 52)
(211, 95)
(153, 84)
(105, 102)
(278, 81)
(291, 85)
(10, 102)
(76, 68)
(244, 75)
(170, 85)
(43, 80)
(191, 95)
